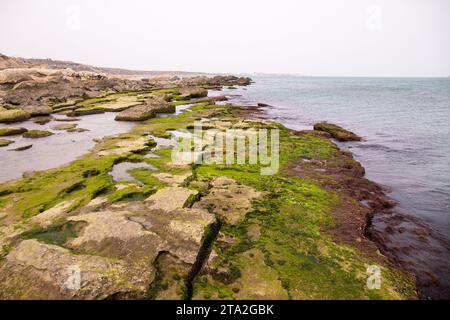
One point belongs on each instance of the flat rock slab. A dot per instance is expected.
(123, 147)
(13, 115)
(47, 217)
(64, 126)
(193, 92)
(22, 148)
(173, 180)
(337, 132)
(12, 131)
(5, 142)
(169, 199)
(112, 234)
(35, 134)
(35, 270)
(228, 199)
(147, 110)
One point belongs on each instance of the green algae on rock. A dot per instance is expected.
(337, 132)
(5, 142)
(22, 148)
(12, 131)
(34, 134)
(149, 109)
(14, 115)
(64, 126)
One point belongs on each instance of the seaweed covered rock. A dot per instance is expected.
(149, 109)
(37, 110)
(5, 142)
(35, 270)
(193, 92)
(14, 115)
(337, 132)
(64, 126)
(34, 134)
(12, 131)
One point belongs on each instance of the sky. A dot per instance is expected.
(406, 38)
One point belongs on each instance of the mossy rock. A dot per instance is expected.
(13, 115)
(37, 134)
(22, 148)
(337, 132)
(77, 130)
(42, 120)
(12, 131)
(4, 142)
(64, 126)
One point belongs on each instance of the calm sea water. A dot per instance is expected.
(405, 123)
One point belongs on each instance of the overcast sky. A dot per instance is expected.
(309, 37)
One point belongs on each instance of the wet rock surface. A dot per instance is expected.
(337, 132)
(148, 110)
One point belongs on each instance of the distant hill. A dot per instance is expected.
(17, 62)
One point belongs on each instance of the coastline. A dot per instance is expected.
(407, 241)
(67, 202)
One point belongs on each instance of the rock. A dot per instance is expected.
(15, 115)
(77, 130)
(38, 110)
(34, 134)
(148, 110)
(260, 104)
(28, 174)
(47, 217)
(228, 199)
(87, 111)
(64, 126)
(258, 281)
(42, 120)
(169, 199)
(123, 147)
(4, 142)
(22, 148)
(193, 92)
(337, 132)
(174, 180)
(67, 119)
(11, 131)
(35, 270)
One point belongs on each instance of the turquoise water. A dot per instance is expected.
(405, 123)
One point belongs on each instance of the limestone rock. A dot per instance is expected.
(173, 180)
(145, 111)
(337, 132)
(193, 92)
(14, 115)
(34, 134)
(5, 142)
(37, 110)
(228, 199)
(49, 216)
(169, 199)
(11, 131)
(34, 270)
(64, 126)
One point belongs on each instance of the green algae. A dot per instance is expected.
(34, 134)
(290, 253)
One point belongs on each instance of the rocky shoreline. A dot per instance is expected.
(201, 231)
